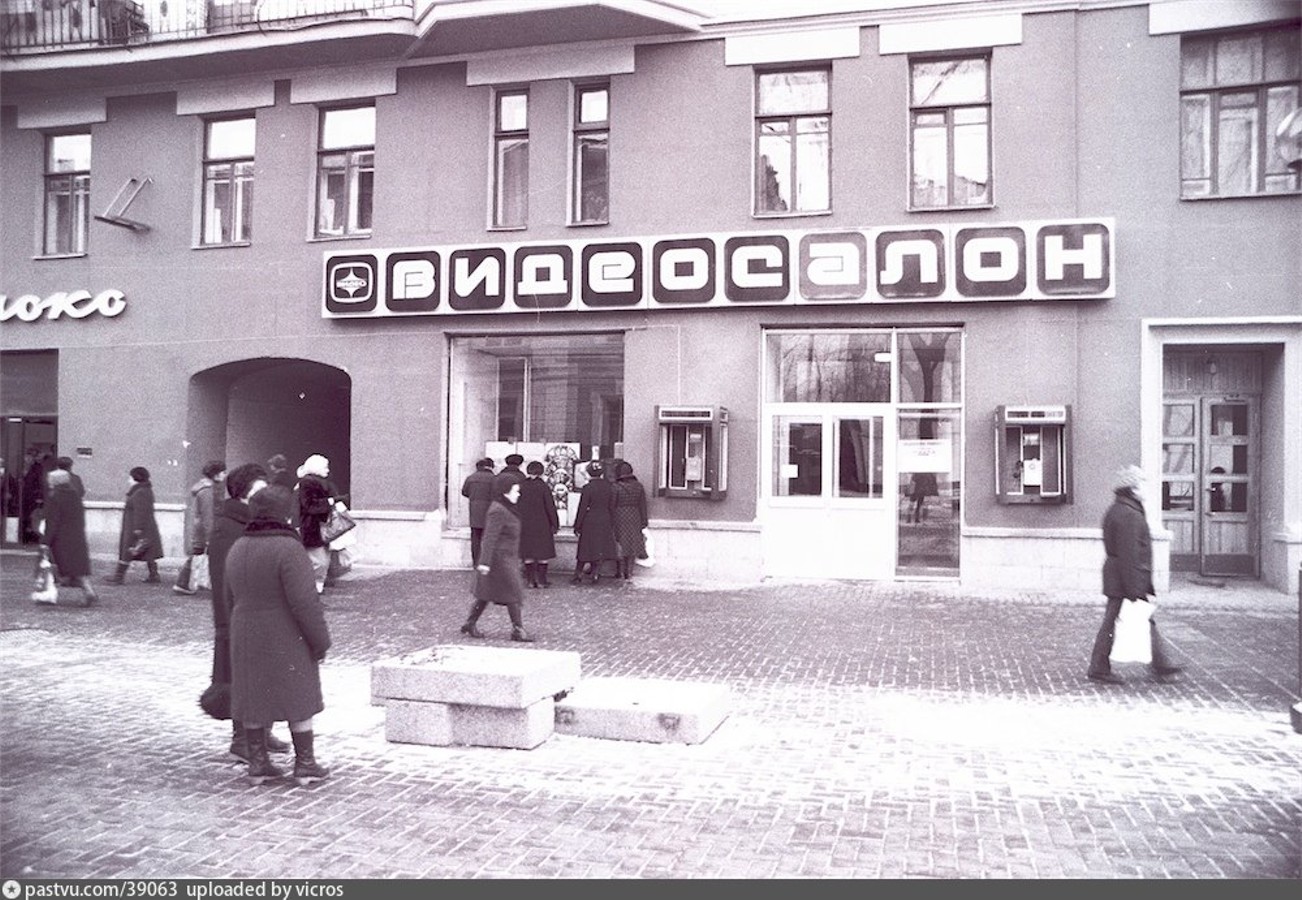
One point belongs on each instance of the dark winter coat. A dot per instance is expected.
(199, 515)
(539, 521)
(1128, 568)
(630, 516)
(65, 531)
(478, 489)
(228, 525)
(594, 522)
(278, 627)
(137, 521)
(500, 551)
(316, 498)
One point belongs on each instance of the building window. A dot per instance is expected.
(793, 142)
(511, 160)
(67, 193)
(1235, 89)
(345, 171)
(228, 180)
(949, 122)
(591, 176)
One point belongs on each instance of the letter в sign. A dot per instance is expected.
(611, 275)
(543, 277)
(477, 279)
(911, 264)
(682, 271)
(990, 262)
(757, 268)
(412, 280)
(350, 284)
(833, 266)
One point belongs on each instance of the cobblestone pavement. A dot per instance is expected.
(877, 731)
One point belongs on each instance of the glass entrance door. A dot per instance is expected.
(1228, 476)
(930, 488)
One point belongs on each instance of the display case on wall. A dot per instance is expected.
(1033, 454)
(692, 452)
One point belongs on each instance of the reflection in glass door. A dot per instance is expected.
(1229, 541)
(928, 454)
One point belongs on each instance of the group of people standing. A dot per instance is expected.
(514, 523)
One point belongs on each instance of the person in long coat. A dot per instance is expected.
(539, 523)
(317, 496)
(279, 636)
(138, 523)
(594, 523)
(230, 518)
(478, 489)
(497, 577)
(630, 519)
(1127, 574)
(65, 533)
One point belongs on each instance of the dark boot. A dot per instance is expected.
(578, 573)
(306, 769)
(260, 767)
(471, 627)
(239, 742)
(531, 574)
(595, 572)
(118, 576)
(275, 744)
(628, 568)
(88, 595)
(152, 578)
(517, 624)
(542, 575)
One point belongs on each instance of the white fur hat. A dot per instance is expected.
(316, 464)
(1128, 478)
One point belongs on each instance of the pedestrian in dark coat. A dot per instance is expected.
(478, 489)
(497, 577)
(630, 519)
(65, 533)
(1127, 574)
(230, 518)
(594, 523)
(65, 463)
(539, 523)
(278, 636)
(32, 496)
(317, 496)
(138, 523)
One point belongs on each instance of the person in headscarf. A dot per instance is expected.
(1127, 574)
(497, 577)
(65, 533)
(317, 496)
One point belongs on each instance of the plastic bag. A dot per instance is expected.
(46, 590)
(1131, 636)
(345, 541)
(199, 578)
(650, 559)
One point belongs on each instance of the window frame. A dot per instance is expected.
(1215, 92)
(241, 227)
(948, 110)
(791, 119)
(356, 166)
(72, 237)
(503, 136)
(581, 132)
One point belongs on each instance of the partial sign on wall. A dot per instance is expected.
(1055, 260)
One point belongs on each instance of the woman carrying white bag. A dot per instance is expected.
(1128, 581)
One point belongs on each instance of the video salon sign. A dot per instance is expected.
(1059, 260)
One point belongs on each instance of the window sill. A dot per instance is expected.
(225, 246)
(326, 238)
(1263, 195)
(801, 214)
(588, 224)
(80, 255)
(508, 227)
(950, 209)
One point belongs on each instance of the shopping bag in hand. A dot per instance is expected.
(1131, 639)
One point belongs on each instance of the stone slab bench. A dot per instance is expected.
(447, 724)
(502, 677)
(643, 709)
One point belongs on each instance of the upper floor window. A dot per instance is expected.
(228, 180)
(345, 171)
(511, 159)
(949, 123)
(67, 192)
(591, 178)
(793, 141)
(1235, 89)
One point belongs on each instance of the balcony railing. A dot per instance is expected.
(34, 26)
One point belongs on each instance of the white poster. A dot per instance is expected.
(925, 456)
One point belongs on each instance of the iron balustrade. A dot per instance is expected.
(36, 26)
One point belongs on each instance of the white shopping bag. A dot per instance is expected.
(1131, 640)
(650, 559)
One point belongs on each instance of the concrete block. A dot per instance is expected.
(475, 676)
(643, 709)
(446, 724)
